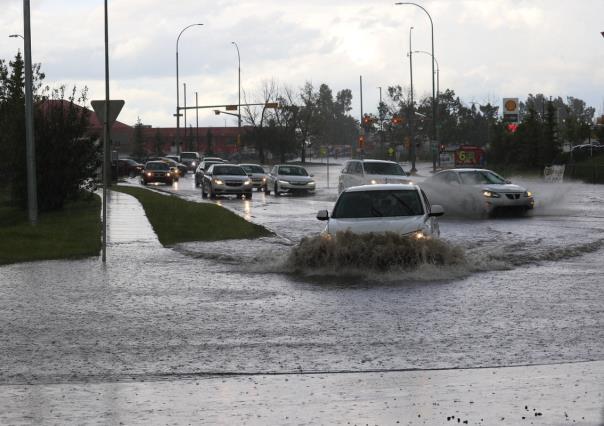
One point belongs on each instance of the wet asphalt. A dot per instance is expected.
(530, 293)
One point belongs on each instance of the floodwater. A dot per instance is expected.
(530, 291)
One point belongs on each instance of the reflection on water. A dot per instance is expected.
(247, 210)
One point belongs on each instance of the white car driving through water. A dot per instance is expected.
(286, 178)
(400, 208)
(476, 191)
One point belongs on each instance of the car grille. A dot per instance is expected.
(233, 183)
(159, 174)
(298, 183)
(513, 196)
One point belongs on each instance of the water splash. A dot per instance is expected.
(370, 252)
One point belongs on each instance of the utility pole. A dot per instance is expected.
(32, 187)
(362, 131)
(106, 138)
(412, 152)
(196, 122)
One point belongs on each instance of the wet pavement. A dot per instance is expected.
(126, 341)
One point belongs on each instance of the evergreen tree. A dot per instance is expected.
(138, 147)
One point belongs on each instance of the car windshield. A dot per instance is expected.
(206, 165)
(229, 170)
(383, 169)
(292, 171)
(188, 156)
(250, 168)
(477, 177)
(157, 166)
(387, 203)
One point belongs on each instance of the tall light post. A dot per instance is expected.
(433, 83)
(239, 98)
(30, 147)
(178, 90)
(437, 93)
(412, 114)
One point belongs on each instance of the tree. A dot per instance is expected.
(138, 148)
(65, 156)
(158, 144)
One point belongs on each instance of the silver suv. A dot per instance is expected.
(371, 172)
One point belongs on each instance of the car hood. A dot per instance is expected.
(399, 225)
(295, 178)
(258, 175)
(509, 187)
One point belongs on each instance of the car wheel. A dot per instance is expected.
(211, 193)
(276, 190)
(143, 182)
(248, 195)
(204, 194)
(266, 190)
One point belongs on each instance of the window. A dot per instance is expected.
(250, 168)
(356, 168)
(229, 170)
(292, 171)
(365, 204)
(383, 169)
(478, 177)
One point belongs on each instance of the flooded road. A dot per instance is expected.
(530, 292)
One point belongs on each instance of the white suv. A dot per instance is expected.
(371, 172)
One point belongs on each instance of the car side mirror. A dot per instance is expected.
(323, 215)
(437, 210)
(312, 175)
(508, 181)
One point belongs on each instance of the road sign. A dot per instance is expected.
(231, 107)
(271, 105)
(114, 110)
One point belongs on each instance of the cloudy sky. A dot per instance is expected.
(487, 49)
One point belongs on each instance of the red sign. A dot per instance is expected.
(470, 156)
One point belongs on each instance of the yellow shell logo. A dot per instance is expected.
(510, 105)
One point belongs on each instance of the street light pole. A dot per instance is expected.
(412, 152)
(433, 83)
(437, 93)
(178, 90)
(106, 138)
(239, 98)
(30, 147)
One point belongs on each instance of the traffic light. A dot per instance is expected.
(396, 120)
(361, 142)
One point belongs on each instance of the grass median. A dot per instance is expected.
(71, 233)
(175, 220)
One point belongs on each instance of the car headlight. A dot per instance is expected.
(373, 181)
(490, 194)
(247, 182)
(193, 164)
(218, 181)
(528, 194)
(419, 235)
(311, 183)
(149, 174)
(263, 180)
(283, 182)
(168, 174)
